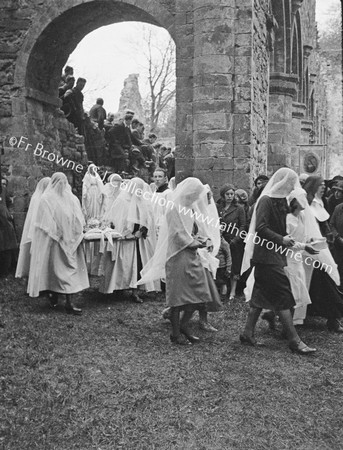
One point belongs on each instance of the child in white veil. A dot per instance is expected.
(23, 265)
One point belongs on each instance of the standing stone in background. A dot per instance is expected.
(130, 97)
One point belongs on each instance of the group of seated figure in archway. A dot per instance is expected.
(119, 144)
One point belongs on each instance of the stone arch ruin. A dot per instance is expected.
(243, 68)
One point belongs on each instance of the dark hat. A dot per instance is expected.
(338, 186)
(129, 113)
(261, 178)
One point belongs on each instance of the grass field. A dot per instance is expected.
(111, 379)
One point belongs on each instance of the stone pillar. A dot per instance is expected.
(213, 90)
(207, 123)
(282, 89)
(184, 89)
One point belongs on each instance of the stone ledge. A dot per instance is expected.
(283, 84)
(42, 97)
(299, 110)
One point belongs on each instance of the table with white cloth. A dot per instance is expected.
(97, 243)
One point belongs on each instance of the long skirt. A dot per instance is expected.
(272, 289)
(237, 252)
(326, 299)
(56, 271)
(189, 283)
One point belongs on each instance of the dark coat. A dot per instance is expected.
(98, 114)
(119, 140)
(336, 223)
(271, 226)
(234, 215)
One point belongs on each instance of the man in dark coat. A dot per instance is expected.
(120, 141)
(98, 113)
(74, 99)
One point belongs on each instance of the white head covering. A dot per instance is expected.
(209, 227)
(24, 257)
(111, 192)
(177, 226)
(312, 231)
(281, 184)
(318, 209)
(33, 210)
(300, 195)
(172, 184)
(60, 214)
(130, 208)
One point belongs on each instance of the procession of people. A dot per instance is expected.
(284, 250)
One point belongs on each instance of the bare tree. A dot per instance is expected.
(161, 77)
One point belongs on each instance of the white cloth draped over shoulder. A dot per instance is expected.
(188, 202)
(57, 258)
(209, 227)
(23, 265)
(92, 194)
(318, 209)
(129, 209)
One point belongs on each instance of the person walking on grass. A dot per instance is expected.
(57, 258)
(189, 285)
(266, 252)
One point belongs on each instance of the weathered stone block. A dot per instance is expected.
(241, 107)
(224, 93)
(212, 106)
(213, 135)
(241, 151)
(212, 121)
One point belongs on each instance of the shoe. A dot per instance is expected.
(207, 327)
(53, 298)
(301, 348)
(166, 315)
(72, 310)
(247, 340)
(231, 298)
(136, 299)
(334, 325)
(270, 318)
(192, 339)
(179, 340)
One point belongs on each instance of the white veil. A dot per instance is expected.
(60, 215)
(33, 209)
(23, 264)
(281, 184)
(176, 228)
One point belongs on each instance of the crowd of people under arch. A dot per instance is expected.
(120, 144)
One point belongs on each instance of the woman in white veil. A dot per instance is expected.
(189, 287)
(266, 245)
(57, 258)
(111, 192)
(132, 217)
(23, 265)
